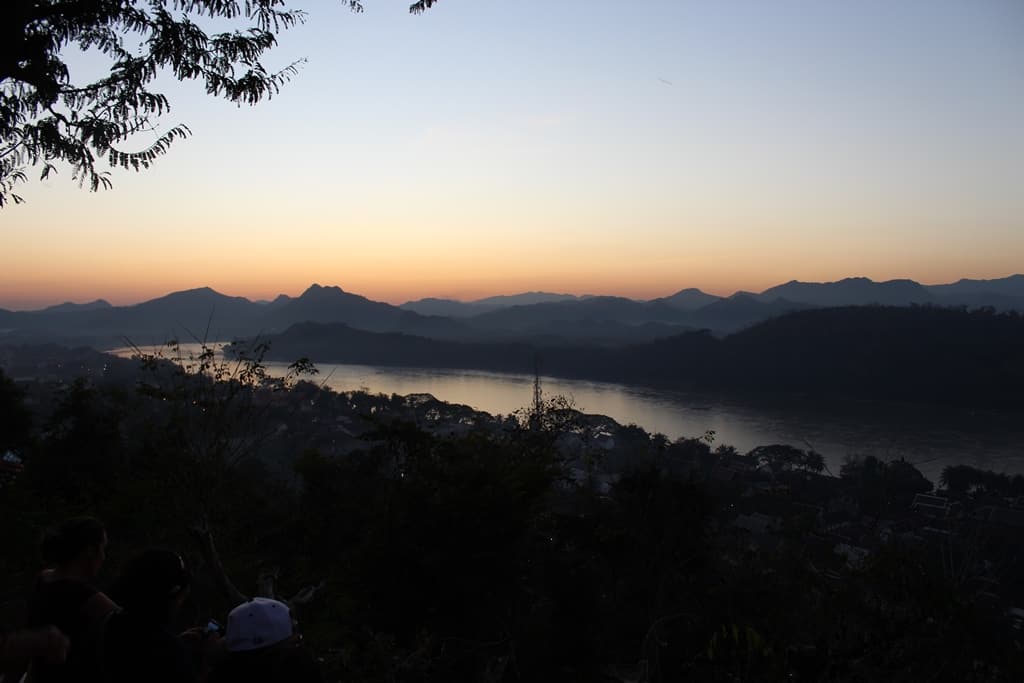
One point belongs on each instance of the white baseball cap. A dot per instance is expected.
(259, 623)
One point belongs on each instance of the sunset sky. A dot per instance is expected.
(583, 146)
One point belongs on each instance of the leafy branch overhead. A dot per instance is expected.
(46, 117)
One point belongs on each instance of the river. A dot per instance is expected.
(930, 438)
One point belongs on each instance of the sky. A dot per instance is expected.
(581, 146)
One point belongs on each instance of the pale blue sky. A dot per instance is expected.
(489, 147)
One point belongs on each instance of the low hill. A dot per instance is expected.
(741, 310)
(1003, 294)
(336, 342)
(1012, 286)
(920, 354)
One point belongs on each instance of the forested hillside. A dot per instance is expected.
(923, 354)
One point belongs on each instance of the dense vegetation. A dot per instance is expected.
(492, 554)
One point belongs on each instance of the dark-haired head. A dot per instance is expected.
(152, 585)
(77, 545)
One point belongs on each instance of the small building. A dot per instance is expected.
(758, 523)
(938, 507)
(855, 555)
(11, 465)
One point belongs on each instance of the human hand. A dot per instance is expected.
(195, 634)
(200, 638)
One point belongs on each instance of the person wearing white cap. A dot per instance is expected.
(262, 647)
(258, 623)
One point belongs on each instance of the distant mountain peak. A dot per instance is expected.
(435, 300)
(69, 306)
(1006, 292)
(689, 299)
(198, 296)
(204, 292)
(522, 299)
(319, 290)
(1009, 278)
(541, 292)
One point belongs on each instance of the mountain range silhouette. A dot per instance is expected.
(204, 313)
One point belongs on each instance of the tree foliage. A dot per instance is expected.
(217, 410)
(781, 457)
(883, 487)
(17, 422)
(47, 116)
(961, 480)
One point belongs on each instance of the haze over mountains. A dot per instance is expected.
(536, 316)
